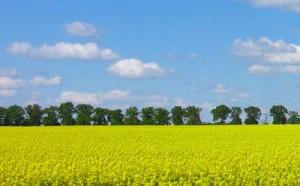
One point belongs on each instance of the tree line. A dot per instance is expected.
(85, 114)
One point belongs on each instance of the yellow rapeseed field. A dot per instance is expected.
(150, 155)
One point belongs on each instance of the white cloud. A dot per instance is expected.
(287, 4)
(93, 98)
(8, 72)
(208, 106)
(266, 50)
(7, 92)
(63, 50)
(272, 57)
(234, 93)
(7, 82)
(294, 69)
(79, 97)
(133, 68)
(41, 81)
(260, 69)
(239, 96)
(80, 29)
(221, 89)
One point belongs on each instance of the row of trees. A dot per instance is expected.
(253, 115)
(84, 114)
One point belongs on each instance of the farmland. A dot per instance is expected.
(151, 155)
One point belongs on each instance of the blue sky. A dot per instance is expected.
(117, 54)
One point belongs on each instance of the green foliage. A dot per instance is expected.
(192, 115)
(100, 116)
(177, 115)
(50, 116)
(131, 116)
(84, 112)
(252, 115)
(34, 115)
(115, 117)
(235, 115)
(3, 112)
(161, 116)
(147, 115)
(15, 115)
(66, 111)
(294, 117)
(278, 112)
(220, 114)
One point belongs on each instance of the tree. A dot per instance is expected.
(177, 115)
(15, 115)
(221, 113)
(50, 116)
(34, 114)
(278, 112)
(100, 116)
(131, 116)
(66, 111)
(161, 116)
(252, 115)
(84, 112)
(3, 112)
(294, 117)
(115, 117)
(192, 115)
(235, 115)
(147, 115)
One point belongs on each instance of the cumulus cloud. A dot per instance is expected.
(63, 50)
(287, 4)
(93, 98)
(260, 69)
(266, 50)
(133, 69)
(221, 89)
(80, 29)
(7, 92)
(274, 69)
(41, 81)
(7, 82)
(8, 72)
(234, 93)
(272, 57)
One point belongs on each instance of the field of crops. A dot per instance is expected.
(150, 155)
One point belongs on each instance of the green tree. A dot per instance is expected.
(278, 112)
(235, 115)
(84, 112)
(177, 115)
(147, 115)
(131, 116)
(192, 115)
(220, 114)
(50, 116)
(34, 114)
(66, 111)
(161, 116)
(100, 116)
(294, 117)
(15, 115)
(115, 117)
(3, 112)
(252, 115)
